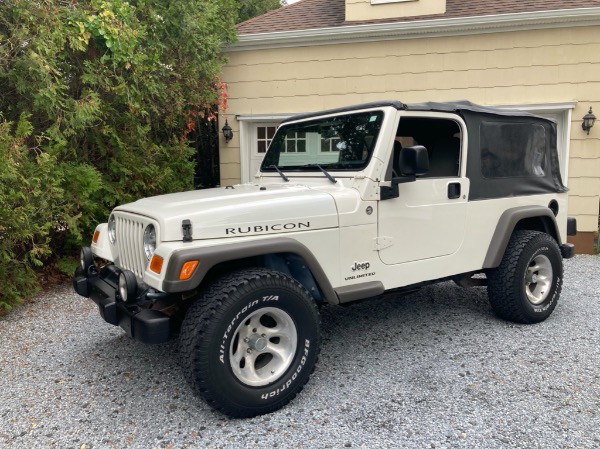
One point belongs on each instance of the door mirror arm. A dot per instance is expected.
(390, 192)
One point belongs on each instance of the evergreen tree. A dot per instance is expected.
(252, 8)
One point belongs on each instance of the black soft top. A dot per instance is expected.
(539, 176)
(456, 107)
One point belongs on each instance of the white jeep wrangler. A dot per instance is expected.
(348, 204)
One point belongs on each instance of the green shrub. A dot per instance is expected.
(97, 101)
(28, 188)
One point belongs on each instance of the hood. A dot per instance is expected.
(237, 211)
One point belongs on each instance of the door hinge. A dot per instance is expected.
(383, 243)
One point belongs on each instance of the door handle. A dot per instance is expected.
(454, 190)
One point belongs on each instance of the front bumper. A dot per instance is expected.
(142, 324)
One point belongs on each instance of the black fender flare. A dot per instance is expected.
(210, 256)
(507, 224)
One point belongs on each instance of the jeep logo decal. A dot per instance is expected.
(360, 266)
(266, 228)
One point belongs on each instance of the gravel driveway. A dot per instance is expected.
(431, 370)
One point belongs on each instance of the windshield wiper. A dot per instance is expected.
(325, 172)
(285, 178)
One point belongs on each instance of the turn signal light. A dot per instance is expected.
(156, 264)
(96, 236)
(188, 269)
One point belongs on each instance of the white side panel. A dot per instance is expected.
(358, 261)
(482, 219)
(423, 222)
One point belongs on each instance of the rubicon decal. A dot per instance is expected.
(267, 228)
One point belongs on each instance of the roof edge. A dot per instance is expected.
(419, 29)
(355, 107)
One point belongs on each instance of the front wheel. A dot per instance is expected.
(249, 345)
(527, 284)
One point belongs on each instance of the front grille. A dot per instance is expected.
(130, 241)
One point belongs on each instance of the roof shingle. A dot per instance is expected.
(311, 14)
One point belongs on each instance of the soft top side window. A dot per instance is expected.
(441, 137)
(511, 150)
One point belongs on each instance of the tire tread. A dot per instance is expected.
(209, 306)
(503, 288)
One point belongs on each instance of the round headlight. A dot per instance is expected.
(112, 229)
(149, 240)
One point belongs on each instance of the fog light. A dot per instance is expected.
(86, 259)
(127, 286)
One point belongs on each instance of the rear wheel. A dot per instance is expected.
(249, 345)
(527, 284)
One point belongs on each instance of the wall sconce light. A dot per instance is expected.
(228, 132)
(588, 121)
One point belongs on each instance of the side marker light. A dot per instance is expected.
(188, 269)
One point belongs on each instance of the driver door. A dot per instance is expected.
(428, 218)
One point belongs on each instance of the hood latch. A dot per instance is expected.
(186, 227)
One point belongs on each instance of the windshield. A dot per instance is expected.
(343, 142)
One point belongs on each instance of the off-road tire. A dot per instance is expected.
(530, 256)
(279, 316)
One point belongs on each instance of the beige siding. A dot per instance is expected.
(526, 67)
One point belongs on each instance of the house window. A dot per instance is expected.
(329, 145)
(295, 142)
(264, 135)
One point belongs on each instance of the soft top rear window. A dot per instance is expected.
(342, 142)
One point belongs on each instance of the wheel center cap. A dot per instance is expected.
(257, 342)
(532, 278)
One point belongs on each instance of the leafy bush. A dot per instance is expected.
(29, 184)
(98, 98)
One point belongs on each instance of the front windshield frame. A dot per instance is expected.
(341, 142)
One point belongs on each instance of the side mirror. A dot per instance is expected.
(408, 162)
(413, 161)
